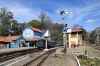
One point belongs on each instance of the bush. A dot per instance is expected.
(83, 57)
(85, 61)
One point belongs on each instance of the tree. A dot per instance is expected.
(91, 37)
(48, 23)
(5, 21)
(42, 17)
(21, 27)
(79, 27)
(35, 23)
(76, 26)
(57, 32)
(84, 36)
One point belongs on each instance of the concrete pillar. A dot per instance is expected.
(46, 44)
(46, 49)
(69, 40)
(77, 39)
(81, 41)
(77, 34)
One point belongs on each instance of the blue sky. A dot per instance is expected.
(84, 12)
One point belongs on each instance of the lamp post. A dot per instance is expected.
(46, 35)
(64, 33)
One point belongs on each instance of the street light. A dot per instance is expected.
(64, 33)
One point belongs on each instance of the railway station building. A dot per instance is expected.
(74, 38)
(34, 36)
(12, 42)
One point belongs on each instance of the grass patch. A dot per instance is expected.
(85, 61)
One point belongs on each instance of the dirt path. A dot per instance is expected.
(69, 58)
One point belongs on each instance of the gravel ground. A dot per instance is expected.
(67, 59)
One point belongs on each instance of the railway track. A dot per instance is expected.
(7, 58)
(38, 61)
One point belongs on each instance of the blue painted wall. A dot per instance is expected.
(15, 44)
(28, 33)
(27, 44)
(37, 35)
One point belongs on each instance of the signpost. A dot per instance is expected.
(64, 33)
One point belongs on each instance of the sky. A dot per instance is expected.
(83, 12)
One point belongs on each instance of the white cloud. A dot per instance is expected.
(81, 13)
(23, 13)
(90, 21)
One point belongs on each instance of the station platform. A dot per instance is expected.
(6, 50)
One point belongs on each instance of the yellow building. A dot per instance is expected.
(74, 38)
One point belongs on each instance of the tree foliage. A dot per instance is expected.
(76, 26)
(55, 28)
(35, 23)
(5, 21)
(9, 26)
(91, 37)
(57, 32)
(83, 33)
(42, 18)
(79, 27)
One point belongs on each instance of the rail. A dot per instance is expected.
(40, 62)
(16, 55)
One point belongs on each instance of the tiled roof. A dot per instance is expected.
(32, 39)
(1, 39)
(76, 30)
(5, 40)
(13, 37)
(35, 29)
(9, 38)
